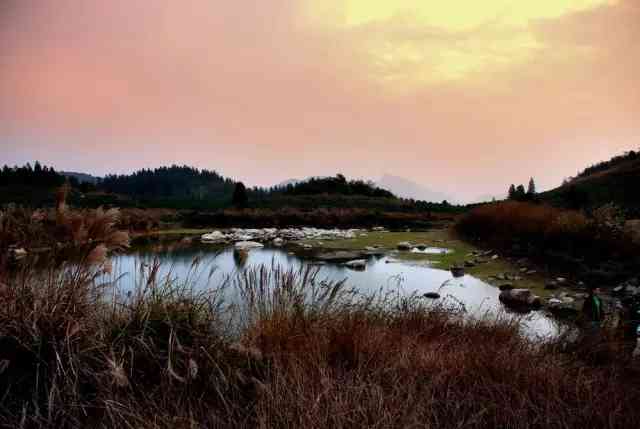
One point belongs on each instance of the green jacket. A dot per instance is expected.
(593, 308)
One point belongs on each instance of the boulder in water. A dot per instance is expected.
(358, 264)
(520, 298)
(457, 271)
(405, 245)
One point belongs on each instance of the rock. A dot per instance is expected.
(457, 271)
(248, 245)
(632, 290)
(377, 228)
(340, 256)
(506, 286)
(405, 245)
(501, 276)
(618, 290)
(531, 272)
(494, 257)
(214, 237)
(421, 246)
(523, 269)
(307, 246)
(561, 280)
(520, 298)
(552, 285)
(278, 241)
(517, 278)
(19, 253)
(562, 309)
(358, 264)
(469, 264)
(431, 295)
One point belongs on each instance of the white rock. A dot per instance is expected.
(405, 245)
(19, 253)
(248, 245)
(214, 237)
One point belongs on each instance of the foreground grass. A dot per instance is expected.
(293, 351)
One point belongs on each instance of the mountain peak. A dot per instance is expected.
(406, 188)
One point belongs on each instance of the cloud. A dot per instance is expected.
(264, 91)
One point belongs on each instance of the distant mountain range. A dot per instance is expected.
(405, 188)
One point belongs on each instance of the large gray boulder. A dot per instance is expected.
(520, 298)
(340, 256)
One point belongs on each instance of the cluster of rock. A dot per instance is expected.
(630, 288)
(278, 236)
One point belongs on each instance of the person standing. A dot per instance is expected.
(593, 308)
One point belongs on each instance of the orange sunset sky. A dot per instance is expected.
(463, 97)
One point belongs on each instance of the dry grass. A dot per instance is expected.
(61, 234)
(292, 351)
(569, 240)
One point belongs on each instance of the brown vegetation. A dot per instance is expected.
(296, 352)
(318, 217)
(596, 246)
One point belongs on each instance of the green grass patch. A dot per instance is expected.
(445, 238)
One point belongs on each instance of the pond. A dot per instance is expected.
(218, 263)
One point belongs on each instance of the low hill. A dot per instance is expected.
(615, 181)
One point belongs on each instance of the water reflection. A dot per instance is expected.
(177, 259)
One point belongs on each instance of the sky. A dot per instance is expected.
(464, 97)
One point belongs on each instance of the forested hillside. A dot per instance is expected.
(29, 185)
(614, 181)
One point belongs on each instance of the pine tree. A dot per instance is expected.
(512, 192)
(240, 198)
(521, 195)
(531, 190)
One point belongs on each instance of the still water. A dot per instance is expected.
(216, 264)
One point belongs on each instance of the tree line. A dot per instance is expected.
(37, 176)
(518, 193)
(191, 188)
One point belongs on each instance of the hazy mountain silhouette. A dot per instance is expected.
(81, 177)
(405, 188)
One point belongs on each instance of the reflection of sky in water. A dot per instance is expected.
(217, 264)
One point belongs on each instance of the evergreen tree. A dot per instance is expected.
(521, 195)
(531, 190)
(512, 192)
(240, 198)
